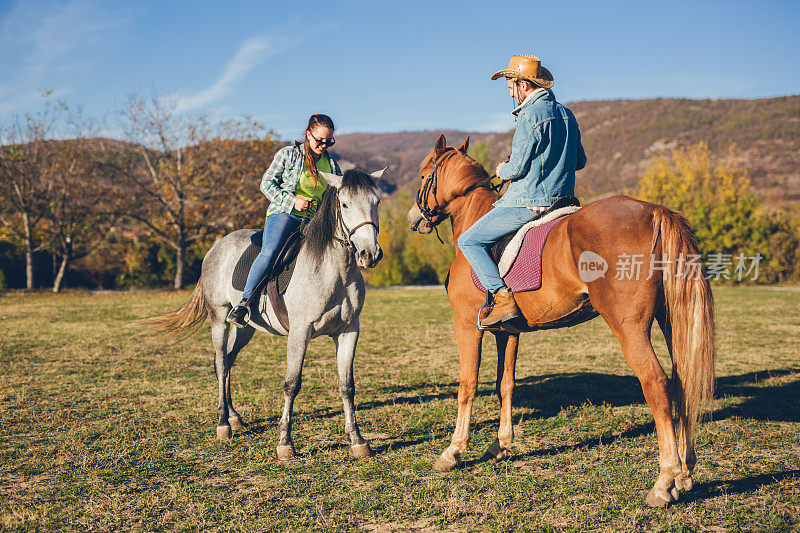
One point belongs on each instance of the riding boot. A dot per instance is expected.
(239, 314)
(504, 309)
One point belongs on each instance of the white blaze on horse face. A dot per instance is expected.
(357, 209)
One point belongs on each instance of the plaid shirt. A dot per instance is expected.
(281, 178)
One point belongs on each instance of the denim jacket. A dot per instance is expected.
(281, 178)
(545, 153)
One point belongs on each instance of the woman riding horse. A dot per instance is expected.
(545, 153)
(294, 187)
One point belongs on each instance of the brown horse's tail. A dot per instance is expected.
(184, 321)
(690, 325)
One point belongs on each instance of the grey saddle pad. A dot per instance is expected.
(284, 264)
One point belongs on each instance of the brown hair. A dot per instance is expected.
(315, 120)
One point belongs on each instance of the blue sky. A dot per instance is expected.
(390, 66)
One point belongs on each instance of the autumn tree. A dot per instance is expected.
(83, 206)
(715, 195)
(409, 257)
(233, 161)
(179, 188)
(27, 162)
(482, 153)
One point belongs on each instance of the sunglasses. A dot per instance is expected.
(323, 142)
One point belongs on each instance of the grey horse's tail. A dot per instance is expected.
(184, 321)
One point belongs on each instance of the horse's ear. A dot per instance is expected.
(464, 146)
(441, 144)
(378, 173)
(334, 180)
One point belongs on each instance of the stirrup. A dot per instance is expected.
(239, 322)
(506, 326)
(488, 303)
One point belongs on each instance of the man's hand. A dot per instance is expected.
(499, 166)
(301, 204)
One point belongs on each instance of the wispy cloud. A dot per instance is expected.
(40, 41)
(497, 122)
(252, 52)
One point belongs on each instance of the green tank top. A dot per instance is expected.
(306, 188)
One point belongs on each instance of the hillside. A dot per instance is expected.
(620, 137)
(402, 151)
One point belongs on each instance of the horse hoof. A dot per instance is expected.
(224, 432)
(684, 484)
(496, 453)
(445, 464)
(658, 498)
(285, 453)
(361, 451)
(237, 424)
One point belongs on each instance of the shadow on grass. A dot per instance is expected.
(548, 394)
(588, 444)
(721, 487)
(773, 403)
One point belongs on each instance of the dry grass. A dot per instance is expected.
(103, 428)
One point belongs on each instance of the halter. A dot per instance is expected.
(429, 187)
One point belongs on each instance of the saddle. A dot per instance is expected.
(519, 255)
(277, 280)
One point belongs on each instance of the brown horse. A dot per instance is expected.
(454, 186)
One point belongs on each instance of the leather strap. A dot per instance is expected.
(368, 223)
(278, 304)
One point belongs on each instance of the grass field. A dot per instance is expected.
(104, 428)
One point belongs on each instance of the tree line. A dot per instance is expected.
(142, 211)
(130, 212)
(712, 190)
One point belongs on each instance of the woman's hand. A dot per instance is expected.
(499, 166)
(301, 204)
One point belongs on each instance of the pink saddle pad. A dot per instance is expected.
(525, 273)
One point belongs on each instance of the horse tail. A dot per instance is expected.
(184, 321)
(689, 325)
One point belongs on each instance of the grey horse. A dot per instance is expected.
(324, 297)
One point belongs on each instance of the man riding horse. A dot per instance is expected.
(545, 153)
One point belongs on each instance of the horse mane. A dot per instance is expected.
(464, 173)
(321, 229)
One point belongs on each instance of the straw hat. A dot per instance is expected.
(527, 68)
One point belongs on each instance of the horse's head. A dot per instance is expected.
(357, 200)
(437, 189)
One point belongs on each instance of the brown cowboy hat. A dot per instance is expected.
(527, 68)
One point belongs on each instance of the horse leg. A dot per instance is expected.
(240, 336)
(507, 345)
(228, 341)
(345, 353)
(685, 446)
(234, 417)
(468, 339)
(220, 331)
(642, 359)
(295, 354)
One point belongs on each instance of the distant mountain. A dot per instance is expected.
(402, 151)
(621, 136)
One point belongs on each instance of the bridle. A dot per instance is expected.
(429, 187)
(433, 215)
(347, 242)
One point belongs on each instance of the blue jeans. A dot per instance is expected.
(277, 228)
(477, 241)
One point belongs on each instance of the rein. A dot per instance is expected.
(429, 187)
